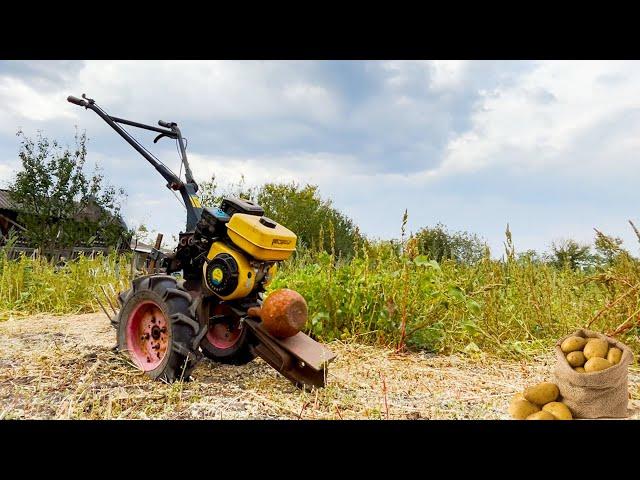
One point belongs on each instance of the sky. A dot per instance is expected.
(549, 147)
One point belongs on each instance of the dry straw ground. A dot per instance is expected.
(63, 367)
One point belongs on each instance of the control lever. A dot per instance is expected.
(155, 140)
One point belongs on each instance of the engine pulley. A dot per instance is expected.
(222, 274)
(228, 273)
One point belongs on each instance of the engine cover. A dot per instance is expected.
(227, 272)
(261, 237)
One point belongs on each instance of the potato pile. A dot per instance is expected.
(539, 403)
(587, 355)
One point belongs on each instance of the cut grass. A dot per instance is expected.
(63, 367)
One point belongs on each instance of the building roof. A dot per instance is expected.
(5, 200)
(141, 247)
(91, 212)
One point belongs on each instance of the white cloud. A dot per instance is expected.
(447, 74)
(301, 167)
(425, 135)
(190, 90)
(315, 100)
(206, 89)
(437, 75)
(540, 121)
(6, 171)
(21, 102)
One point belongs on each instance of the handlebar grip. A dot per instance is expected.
(77, 101)
(164, 124)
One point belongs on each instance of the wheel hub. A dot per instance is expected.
(226, 331)
(147, 335)
(155, 332)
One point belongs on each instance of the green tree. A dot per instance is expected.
(313, 219)
(530, 256)
(211, 194)
(571, 254)
(60, 204)
(299, 208)
(440, 244)
(607, 248)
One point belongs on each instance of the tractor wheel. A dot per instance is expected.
(156, 329)
(227, 340)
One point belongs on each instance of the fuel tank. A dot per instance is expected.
(262, 238)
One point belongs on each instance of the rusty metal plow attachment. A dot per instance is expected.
(298, 358)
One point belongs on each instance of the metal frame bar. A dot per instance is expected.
(168, 133)
(187, 190)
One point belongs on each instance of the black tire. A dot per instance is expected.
(237, 354)
(175, 305)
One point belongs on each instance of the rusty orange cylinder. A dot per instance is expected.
(283, 313)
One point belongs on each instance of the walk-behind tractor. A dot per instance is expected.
(218, 309)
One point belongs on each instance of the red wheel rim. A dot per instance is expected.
(226, 333)
(147, 335)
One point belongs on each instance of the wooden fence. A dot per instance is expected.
(58, 255)
(140, 261)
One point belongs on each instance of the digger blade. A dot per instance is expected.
(298, 358)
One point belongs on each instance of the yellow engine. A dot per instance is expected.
(261, 237)
(234, 270)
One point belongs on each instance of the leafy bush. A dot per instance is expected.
(505, 307)
(60, 204)
(439, 244)
(388, 293)
(316, 222)
(301, 209)
(571, 254)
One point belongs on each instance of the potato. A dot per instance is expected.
(579, 369)
(596, 347)
(519, 408)
(614, 355)
(542, 393)
(576, 359)
(596, 364)
(558, 410)
(541, 415)
(573, 344)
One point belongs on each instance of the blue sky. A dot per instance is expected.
(548, 146)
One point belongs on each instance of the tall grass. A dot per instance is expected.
(35, 285)
(508, 307)
(511, 307)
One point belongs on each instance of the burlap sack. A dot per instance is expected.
(603, 394)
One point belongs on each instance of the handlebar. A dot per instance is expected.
(187, 189)
(77, 101)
